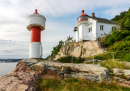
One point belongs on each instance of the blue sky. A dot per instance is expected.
(61, 16)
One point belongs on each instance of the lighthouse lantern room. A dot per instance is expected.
(35, 24)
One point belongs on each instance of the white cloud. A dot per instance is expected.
(14, 37)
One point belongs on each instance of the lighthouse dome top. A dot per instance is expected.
(36, 20)
(36, 11)
(83, 14)
(82, 17)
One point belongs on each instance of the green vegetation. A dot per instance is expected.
(114, 37)
(74, 84)
(69, 40)
(56, 49)
(71, 59)
(117, 42)
(127, 57)
(110, 64)
(123, 19)
(120, 56)
(120, 46)
(103, 56)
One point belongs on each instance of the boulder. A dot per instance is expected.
(119, 72)
(126, 73)
(81, 49)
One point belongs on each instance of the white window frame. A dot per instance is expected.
(90, 29)
(102, 27)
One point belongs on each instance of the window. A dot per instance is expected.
(90, 29)
(114, 28)
(101, 27)
(101, 34)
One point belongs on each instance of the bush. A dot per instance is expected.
(127, 57)
(110, 64)
(115, 36)
(126, 38)
(103, 56)
(120, 46)
(71, 59)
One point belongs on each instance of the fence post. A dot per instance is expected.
(113, 55)
(53, 56)
(72, 59)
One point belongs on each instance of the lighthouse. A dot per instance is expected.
(91, 27)
(35, 24)
(81, 27)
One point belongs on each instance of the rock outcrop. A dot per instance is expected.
(21, 78)
(81, 49)
(28, 71)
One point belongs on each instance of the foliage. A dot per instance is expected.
(127, 57)
(120, 46)
(127, 38)
(56, 49)
(103, 56)
(69, 40)
(110, 64)
(71, 59)
(110, 55)
(74, 84)
(123, 19)
(115, 36)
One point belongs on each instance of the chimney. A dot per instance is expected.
(93, 14)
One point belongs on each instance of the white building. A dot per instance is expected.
(91, 27)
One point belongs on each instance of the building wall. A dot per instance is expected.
(92, 34)
(107, 28)
(80, 28)
(84, 32)
(77, 36)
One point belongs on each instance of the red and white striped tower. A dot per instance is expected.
(36, 24)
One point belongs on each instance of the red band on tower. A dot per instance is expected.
(35, 34)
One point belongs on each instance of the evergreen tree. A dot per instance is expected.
(123, 19)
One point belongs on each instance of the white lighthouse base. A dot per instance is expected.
(35, 50)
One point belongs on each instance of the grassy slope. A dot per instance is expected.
(74, 84)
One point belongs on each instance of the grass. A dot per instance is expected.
(74, 84)
(110, 64)
(124, 56)
(90, 62)
(71, 59)
(103, 56)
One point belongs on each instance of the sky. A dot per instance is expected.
(61, 17)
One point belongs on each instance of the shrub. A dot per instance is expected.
(126, 38)
(115, 36)
(103, 56)
(110, 64)
(71, 59)
(127, 57)
(120, 46)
